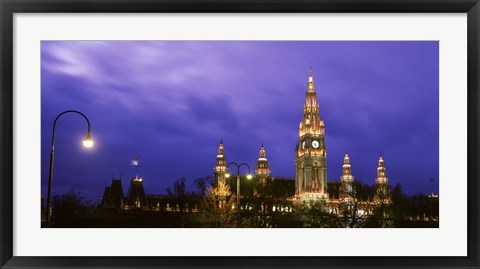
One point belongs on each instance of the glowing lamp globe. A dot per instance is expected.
(88, 142)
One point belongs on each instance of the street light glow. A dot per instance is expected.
(249, 176)
(88, 142)
(227, 175)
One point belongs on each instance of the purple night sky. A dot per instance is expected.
(169, 103)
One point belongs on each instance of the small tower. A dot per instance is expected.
(346, 181)
(136, 198)
(113, 195)
(262, 172)
(220, 168)
(382, 193)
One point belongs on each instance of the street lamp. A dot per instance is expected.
(87, 142)
(249, 176)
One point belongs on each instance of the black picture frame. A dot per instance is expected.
(10, 7)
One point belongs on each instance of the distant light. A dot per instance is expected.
(227, 175)
(249, 176)
(88, 142)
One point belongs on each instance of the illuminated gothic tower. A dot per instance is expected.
(221, 168)
(262, 171)
(382, 193)
(310, 152)
(346, 181)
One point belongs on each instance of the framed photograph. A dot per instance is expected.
(231, 133)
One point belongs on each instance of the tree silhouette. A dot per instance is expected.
(70, 210)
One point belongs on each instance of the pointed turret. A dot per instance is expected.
(220, 168)
(346, 170)
(262, 169)
(310, 80)
(382, 194)
(346, 181)
(381, 172)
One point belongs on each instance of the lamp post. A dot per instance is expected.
(87, 142)
(249, 176)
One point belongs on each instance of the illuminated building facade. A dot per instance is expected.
(310, 180)
(262, 170)
(382, 193)
(346, 181)
(347, 198)
(310, 151)
(220, 168)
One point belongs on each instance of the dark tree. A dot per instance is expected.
(70, 210)
(400, 204)
(203, 184)
(179, 196)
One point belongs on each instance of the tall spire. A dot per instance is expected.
(220, 149)
(312, 123)
(310, 158)
(311, 83)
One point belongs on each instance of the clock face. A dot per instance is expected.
(303, 145)
(315, 144)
